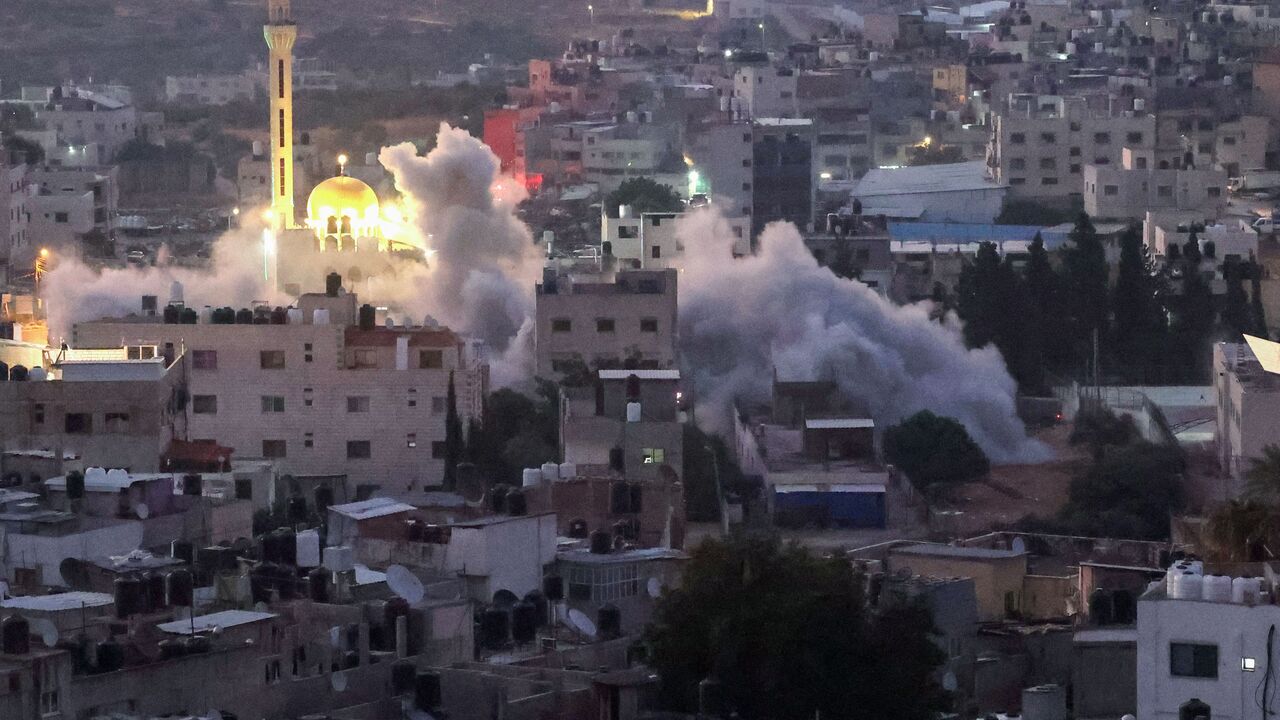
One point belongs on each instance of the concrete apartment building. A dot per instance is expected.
(83, 118)
(783, 180)
(615, 153)
(649, 242)
(209, 89)
(1041, 143)
(115, 408)
(67, 206)
(722, 156)
(318, 394)
(1246, 387)
(628, 420)
(606, 320)
(766, 91)
(1134, 187)
(1198, 135)
(15, 210)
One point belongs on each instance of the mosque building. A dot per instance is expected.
(346, 229)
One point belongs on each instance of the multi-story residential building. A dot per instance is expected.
(68, 206)
(722, 156)
(606, 321)
(614, 153)
(766, 91)
(1129, 190)
(84, 118)
(1246, 387)
(626, 419)
(649, 242)
(15, 208)
(1041, 144)
(1197, 135)
(317, 392)
(209, 89)
(783, 179)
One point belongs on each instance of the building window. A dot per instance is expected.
(78, 423)
(204, 404)
(439, 449)
(411, 440)
(439, 404)
(604, 583)
(1048, 164)
(561, 325)
(306, 397)
(1074, 152)
(653, 456)
(282, 131)
(37, 413)
(358, 404)
(1164, 191)
(46, 676)
(1140, 163)
(309, 440)
(1193, 660)
(1017, 164)
(1134, 138)
(1017, 181)
(271, 359)
(1048, 138)
(280, 79)
(1017, 138)
(117, 422)
(604, 325)
(61, 217)
(1110, 190)
(365, 359)
(273, 448)
(1215, 192)
(359, 450)
(656, 252)
(272, 403)
(430, 359)
(204, 359)
(649, 325)
(1049, 181)
(1075, 169)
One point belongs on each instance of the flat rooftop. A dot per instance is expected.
(951, 177)
(954, 551)
(60, 601)
(224, 619)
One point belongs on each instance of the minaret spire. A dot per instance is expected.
(281, 33)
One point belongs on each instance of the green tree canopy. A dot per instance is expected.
(932, 450)
(1086, 286)
(643, 195)
(1129, 491)
(1139, 328)
(788, 637)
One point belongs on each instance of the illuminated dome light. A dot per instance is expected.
(342, 206)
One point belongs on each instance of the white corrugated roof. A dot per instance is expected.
(108, 482)
(224, 619)
(951, 177)
(838, 423)
(60, 601)
(371, 508)
(1267, 352)
(642, 374)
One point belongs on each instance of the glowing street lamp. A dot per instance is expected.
(592, 9)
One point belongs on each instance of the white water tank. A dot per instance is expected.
(633, 412)
(95, 475)
(320, 316)
(37, 374)
(1188, 586)
(175, 293)
(309, 548)
(257, 148)
(632, 117)
(1216, 588)
(1245, 591)
(1044, 702)
(553, 107)
(117, 475)
(371, 159)
(293, 316)
(530, 477)
(624, 211)
(1139, 104)
(568, 471)
(550, 471)
(339, 558)
(206, 314)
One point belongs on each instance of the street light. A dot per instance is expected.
(762, 39)
(592, 9)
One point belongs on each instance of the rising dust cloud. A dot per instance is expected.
(739, 319)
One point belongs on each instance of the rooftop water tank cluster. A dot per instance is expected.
(1185, 580)
(549, 472)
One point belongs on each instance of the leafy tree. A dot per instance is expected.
(789, 637)
(1085, 285)
(1262, 479)
(1237, 316)
(1194, 315)
(1239, 531)
(1139, 318)
(1257, 315)
(707, 461)
(982, 295)
(643, 195)
(1129, 491)
(934, 450)
(517, 432)
(1044, 311)
(1099, 426)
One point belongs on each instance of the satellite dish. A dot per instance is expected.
(75, 573)
(215, 715)
(47, 631)
(142, 511)
(653, 587)
(949, 682)
(338, 681)
(580, 622)
(1019, 545)
(405, 584)
(335, 636)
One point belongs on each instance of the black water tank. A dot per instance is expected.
(498, 499)
(171, 314)
(332, 284)
(1123, 608)
(622, 529)
(178, 588)
(182, 550)
(601, 542)
(517, 504)
(110, 655)
(1100, 607)
(318, 584)
(1194, 709)
(539, 604)
(287, 582)
(192, 484)
(189, 316)
(524, 622)
(553, 587)
(130, 596)
(578, 529)
(15, 635)
(609, 621)
(619, 499)
(368, 317)
(244, 316)
(395, 608)
(426, 691)
(495, 626)
(270, 544)
(636, 492)
(75, 485)
(288, 540)
(403, 677)
(209, 561)
(155, 591)
(261, 581)
(18, 373)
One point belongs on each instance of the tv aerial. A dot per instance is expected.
(405, 584)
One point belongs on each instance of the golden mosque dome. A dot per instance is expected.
(342, 196)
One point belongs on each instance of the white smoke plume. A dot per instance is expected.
(75, 292)
(741, 319)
